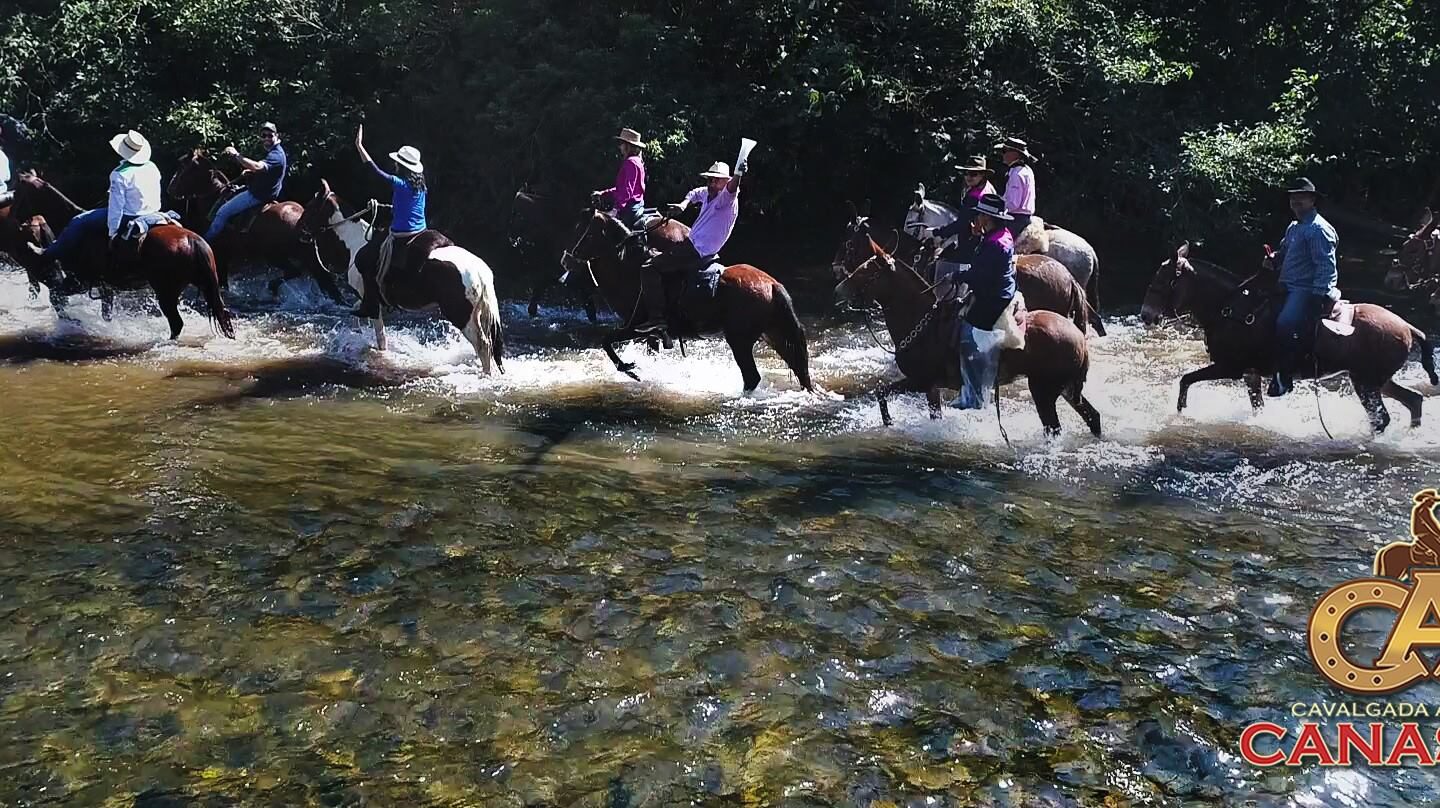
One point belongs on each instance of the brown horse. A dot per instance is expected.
(1239, 325)
(537, 231)
(1417, 264)
(456, 280)
(1055, 358)
(745, 306)
(170, 257)
(272, 238)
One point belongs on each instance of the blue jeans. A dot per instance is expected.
(979, 364)
(84, 225)
(237, 205)
(630, 214)
(1295, 326)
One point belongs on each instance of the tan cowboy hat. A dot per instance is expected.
(1015, 144)
(409, 156)
(976, 163)
(132, 147)
(717, 171)
(632, 137)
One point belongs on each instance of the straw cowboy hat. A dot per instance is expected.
(1015, 144)
(132, 147)
(1303, 185)
(976, 163)
(409, 156)
(994, 207)
(632, 137)
(717, 171)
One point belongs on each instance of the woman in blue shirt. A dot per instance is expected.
(407, 198)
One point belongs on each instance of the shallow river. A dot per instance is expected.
(288, 570)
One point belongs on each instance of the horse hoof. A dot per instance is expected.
(626, 367)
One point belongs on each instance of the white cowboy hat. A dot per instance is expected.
(132, 147)
(718, 171)
(409, 156)
(632, 137)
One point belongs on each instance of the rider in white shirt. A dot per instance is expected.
(134, 191)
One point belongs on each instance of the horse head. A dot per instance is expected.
(1168, 288)
(856, 245)
(857, 288)
(195, 176)
(319, 211)
(596, 235)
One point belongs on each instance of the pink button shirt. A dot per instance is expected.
(629, 183)
(716, 221)
(979, 191)
(1020, 190)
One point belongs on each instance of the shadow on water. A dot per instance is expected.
(292, 377)
(39, 346)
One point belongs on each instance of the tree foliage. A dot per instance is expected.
(1176, 118)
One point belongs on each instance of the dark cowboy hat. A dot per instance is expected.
(993, 206)
(1303, 185)
(975, 163)
(1017, 144)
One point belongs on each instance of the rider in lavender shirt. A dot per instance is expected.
(1019, 183)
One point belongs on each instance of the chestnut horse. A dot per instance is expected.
(273, 237)
(453, 278)
(745, 306)
(170, 258)
(1055, 359)
(1239, 326)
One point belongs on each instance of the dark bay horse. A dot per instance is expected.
(170, 258)
(537, 230)
(273, 237)
(1239, 326)
(746, 306)
(452, 278)
(1055, 359)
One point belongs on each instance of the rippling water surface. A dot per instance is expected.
(288, 570)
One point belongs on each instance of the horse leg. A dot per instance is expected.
(1412, 400)
(590, 310)
(1209, 373)
(1074, 394)
(615, 338)
(168, 298)
(744, 349)
(378, 324)
(884, 391)
(1374, 405)
(541, 286)
(1045, 394)
(107, 303)
(935, 403)
(1253, 386)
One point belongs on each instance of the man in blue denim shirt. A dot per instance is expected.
(1308, 276)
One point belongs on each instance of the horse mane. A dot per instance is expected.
(1213, 270)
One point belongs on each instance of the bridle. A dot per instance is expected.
(864, 285)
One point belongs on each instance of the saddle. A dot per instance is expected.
(694, 285)
(402, 255)
(125, 247)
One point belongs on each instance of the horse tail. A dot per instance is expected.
(1427, 354)
(487, 320)
(1092, 297)
(209, 282)
(1079, 310)
(787, 336)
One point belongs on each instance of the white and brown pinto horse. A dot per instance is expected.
(456, 280)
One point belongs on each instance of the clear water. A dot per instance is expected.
(289, 570)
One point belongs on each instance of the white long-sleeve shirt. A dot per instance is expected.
(134, 191)
(4, 173)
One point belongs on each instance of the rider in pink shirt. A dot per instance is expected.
(1019, 183)
(628, 194)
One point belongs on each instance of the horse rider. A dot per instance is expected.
(134, 191)
(1019, 183)
(408, 194)
(991, 277)
(627, 197)
(977, 185)
(263, 180)
(719, 201)
(1308, 277)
